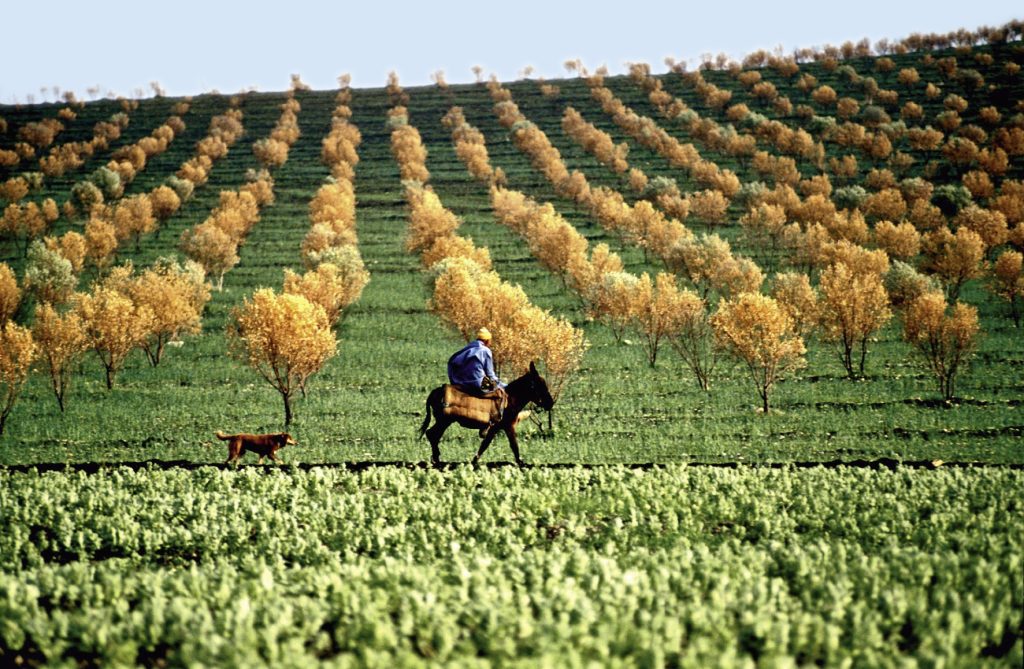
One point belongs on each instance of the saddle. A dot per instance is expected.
(487, 409)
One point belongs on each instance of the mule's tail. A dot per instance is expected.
(426, 419)
(222, 436)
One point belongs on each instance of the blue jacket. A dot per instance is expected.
(471, 365)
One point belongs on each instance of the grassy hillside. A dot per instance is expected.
(368, 401)
(123, 546)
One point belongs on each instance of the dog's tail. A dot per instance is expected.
(222, 436)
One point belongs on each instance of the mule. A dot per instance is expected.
(528, 388)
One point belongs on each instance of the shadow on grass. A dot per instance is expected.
(878, 464)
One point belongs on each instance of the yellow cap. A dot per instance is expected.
(483, 334)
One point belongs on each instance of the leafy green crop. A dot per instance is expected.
(678, 565)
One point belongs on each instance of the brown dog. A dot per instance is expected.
(260, 444)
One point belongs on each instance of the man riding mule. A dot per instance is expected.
(468, 400)
(471, 371)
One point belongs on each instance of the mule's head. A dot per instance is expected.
(538, 389)
(285, 439)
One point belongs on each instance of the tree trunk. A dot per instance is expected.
(287, 408)
(155, 356)
(110, 377)
(846, 357)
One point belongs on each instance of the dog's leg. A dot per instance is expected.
(233, 452)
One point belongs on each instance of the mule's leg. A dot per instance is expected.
(483, 446)
(513, 443)
(434, 435)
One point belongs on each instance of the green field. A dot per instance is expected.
(614, 546)
(672, 566)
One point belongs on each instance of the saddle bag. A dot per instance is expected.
(480, 409)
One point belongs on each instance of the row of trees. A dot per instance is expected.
(122, 312)
(55, 264)
(112, 220)
(471, 148)
(683, 317)
(961, 39)
(288, 337)
(658, 310)
(67, 156)
(773, 228)
(31, 137)
(288, 334)
(72, 155)
(272, 151)
(467, 293)
(214, 243)
(954, 258)
(879, 139)
(224, 130)
(876, 139)
(129, 160)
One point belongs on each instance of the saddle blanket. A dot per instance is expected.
(481, 409)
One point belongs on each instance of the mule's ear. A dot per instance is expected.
(533, 368)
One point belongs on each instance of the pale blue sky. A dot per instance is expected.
(192, 47)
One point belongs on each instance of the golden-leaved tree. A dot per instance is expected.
(100, 243)
(694, 338)
(213, 248)
(114, 324)
(285, 338)
(176, 295)
(1007, 281)
(853, 306)
(133, 217)
(428, 219)
(796, 296)
(10, 293)
(659, 310)
(70, 245)
(61, 340)
(954, 258)
(333, 287)
(944, 339)
(757, 331)
(611, 300)
(17, 351)
(562, 347)
(466, 296)
(165, 202)
(762, 227)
